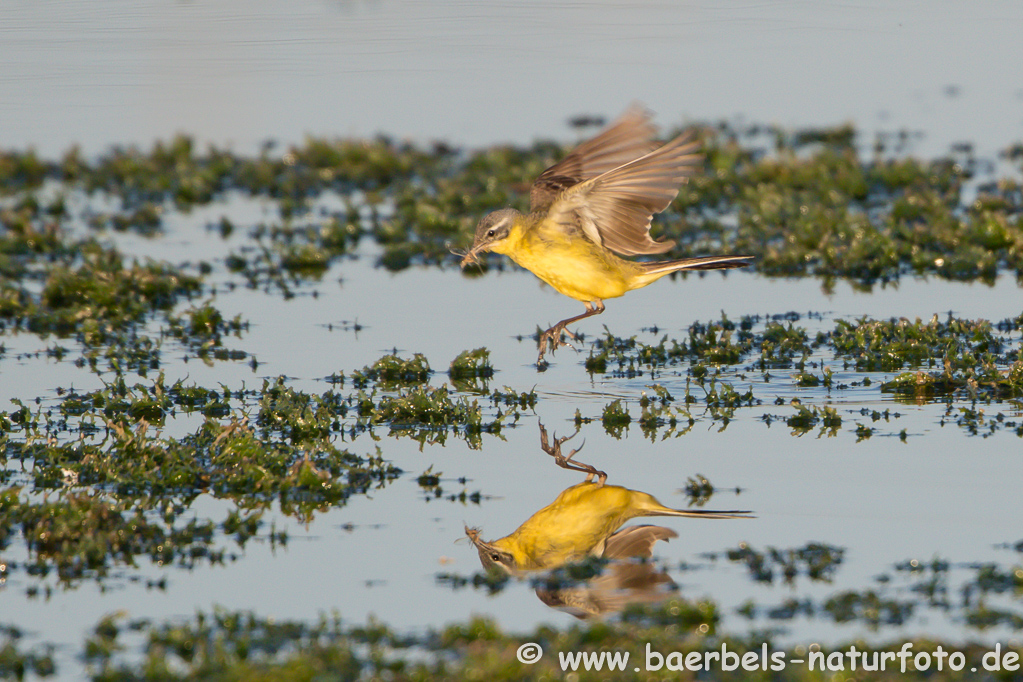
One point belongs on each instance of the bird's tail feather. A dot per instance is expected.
(702, 513)
(703, 263)
(654, 270)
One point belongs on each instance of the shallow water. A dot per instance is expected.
(941, 493)
(477, 73)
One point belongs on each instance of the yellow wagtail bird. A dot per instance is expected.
(579, 523)
(584, 520)
(595, 203)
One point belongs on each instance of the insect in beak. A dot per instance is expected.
(471, 256)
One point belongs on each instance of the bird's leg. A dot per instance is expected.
(553, 335)
(566, 462)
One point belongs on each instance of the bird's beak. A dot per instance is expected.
(474, 535)
(472, 256)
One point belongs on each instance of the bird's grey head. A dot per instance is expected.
(492, 228)
(490, 556)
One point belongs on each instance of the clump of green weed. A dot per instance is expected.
(616, 418)
(816, 561)
(469, 368)
(392, 371)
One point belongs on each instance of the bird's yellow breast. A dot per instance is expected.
(571, 263)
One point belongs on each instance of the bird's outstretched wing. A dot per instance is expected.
(636, 541)
(615, 208)
(628, 138)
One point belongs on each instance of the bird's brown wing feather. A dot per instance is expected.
(636, 541)
(628, 138)
(614, 209)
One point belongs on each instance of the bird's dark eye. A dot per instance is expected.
(491, 233)
(495, 558)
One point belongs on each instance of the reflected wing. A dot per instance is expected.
(636, 541)
(623, 582)
(628, 138)
(615, 208)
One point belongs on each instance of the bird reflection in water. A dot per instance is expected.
(585, 523)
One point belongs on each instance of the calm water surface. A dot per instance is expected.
(239, 73)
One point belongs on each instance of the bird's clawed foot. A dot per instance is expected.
(565, 462)
(553, 335)
(553, 338)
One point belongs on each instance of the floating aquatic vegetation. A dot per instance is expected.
(16, 663)
(471, 370)
(816, 561)
(392, 371)
(808, 206)
(98, 295)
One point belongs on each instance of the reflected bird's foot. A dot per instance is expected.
(565, 462)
